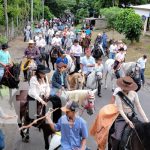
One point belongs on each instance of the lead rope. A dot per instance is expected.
(139, 138)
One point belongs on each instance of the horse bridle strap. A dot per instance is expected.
(8, 72)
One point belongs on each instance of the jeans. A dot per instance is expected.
(111, 55)
(1, 73)
(142, 76)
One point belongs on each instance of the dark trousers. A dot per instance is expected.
(99, 86)
(77, 63)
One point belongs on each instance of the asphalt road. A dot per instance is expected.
(13, 139)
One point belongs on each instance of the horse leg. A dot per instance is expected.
(47, 60)
(56, 101)
(46, 133)
(106, 79)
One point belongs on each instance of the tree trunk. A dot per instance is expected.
(6, 17)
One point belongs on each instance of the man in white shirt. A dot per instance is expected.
(142, 61)
(41, 43)
(56, 41)
(76, 51)
(51, 34)
(87, 63)
(112, 50)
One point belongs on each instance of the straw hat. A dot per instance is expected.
(31, 42)
(70, 106)
(127, 83)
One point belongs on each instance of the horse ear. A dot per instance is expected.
(94, 91)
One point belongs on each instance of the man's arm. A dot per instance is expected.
(83, 144)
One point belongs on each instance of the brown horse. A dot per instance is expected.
(138, 139)
(76, 81)
(22, 110)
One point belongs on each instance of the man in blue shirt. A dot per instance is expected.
(62, 58)
(72, 127)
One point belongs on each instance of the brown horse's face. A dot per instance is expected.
(80, 80)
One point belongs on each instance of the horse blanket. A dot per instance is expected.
(102, 124)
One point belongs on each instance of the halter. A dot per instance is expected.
(7, 72)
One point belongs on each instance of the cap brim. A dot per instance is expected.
(64, 109)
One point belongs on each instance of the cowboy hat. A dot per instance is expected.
(42, 69)
(31, 42)
(127, 83)
(61, 64)
(70, 106)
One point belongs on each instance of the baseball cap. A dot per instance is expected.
(70, 106)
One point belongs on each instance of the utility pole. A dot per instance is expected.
(32, 17)
(43, 2)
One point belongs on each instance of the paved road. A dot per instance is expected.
(13, 140)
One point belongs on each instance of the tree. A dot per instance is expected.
(130, 24)
(6, 17)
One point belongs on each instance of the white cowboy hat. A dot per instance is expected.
(31, 42)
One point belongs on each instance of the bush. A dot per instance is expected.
(124, 21)
(130, 24)
(111, 15)
(3, 40)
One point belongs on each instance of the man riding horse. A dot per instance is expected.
(31, 52)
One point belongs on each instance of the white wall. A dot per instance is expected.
(142, 12)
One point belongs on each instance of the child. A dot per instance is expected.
(99, 73)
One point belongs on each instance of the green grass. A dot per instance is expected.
(135, 50)
(4, 91)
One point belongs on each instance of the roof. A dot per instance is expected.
(143, 7)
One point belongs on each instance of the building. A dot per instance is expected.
(144, 12)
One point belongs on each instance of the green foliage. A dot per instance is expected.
(47, 13)
(82, 13)
(124, 21)
(3, 40)
(1, 12)
(111, 14)
(133, 27)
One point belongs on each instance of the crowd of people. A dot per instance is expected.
(51, 34)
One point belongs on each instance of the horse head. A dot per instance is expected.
(80, 79)
(89, 104)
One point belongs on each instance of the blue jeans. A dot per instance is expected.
(142, 75)
(1, 73)
(112, 55)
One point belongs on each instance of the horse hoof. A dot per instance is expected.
(25, 140)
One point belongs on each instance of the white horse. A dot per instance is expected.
(85, 98)
(125, 69)
(92, 79)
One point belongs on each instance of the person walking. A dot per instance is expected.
(76, 51)
(73, 128)
(112, 50)
(142, 61)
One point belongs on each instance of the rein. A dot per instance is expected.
(8, 72)
(36, 120)
(139, 138)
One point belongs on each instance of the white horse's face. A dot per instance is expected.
(89, 103)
